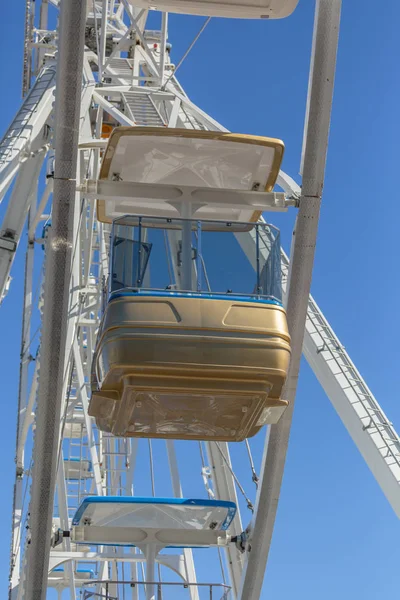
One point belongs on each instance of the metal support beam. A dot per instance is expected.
(326, 30)
(176, 486)
(64, 523)
(225, 489)
(22, 416)
(22, 197)
(114, 112)
(170, 193)
(56, 294)
(88, 423)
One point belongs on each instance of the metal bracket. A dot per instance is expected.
(58, 537)
(7, 242)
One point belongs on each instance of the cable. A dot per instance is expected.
(206, 22)
(249, 502)
(255, 477)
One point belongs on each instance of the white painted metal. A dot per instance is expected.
(323, 64)
(168, 199)
(27, 132)
(190, 574)
(117, 463)
(22, 197)
(224, 488)
(268, 9)
(22, 417)
(56, 295)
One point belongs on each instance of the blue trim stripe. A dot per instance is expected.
(231, 506)
(61, 570)
(133, 545)
(188, 295)
(229, 518)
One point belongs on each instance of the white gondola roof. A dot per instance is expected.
(242, 9)
(171, 167)
(177, 513)
(141, 521)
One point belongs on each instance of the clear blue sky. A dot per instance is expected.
(336, 535)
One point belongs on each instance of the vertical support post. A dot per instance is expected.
(64, 523)
(134, 443)
(225, 489)
(22, 416)
(89, 243)
(198, 257)
(163, 50)
(326, 31)
(56, 294)
(134, 595)
(138, 279)
(105, 263)
(177, 489)
(43, 20)
(150, 553)
(186, 251)
(258, 259)
(88, 423)
(103, 37)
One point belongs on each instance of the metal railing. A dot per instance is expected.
(165, 590)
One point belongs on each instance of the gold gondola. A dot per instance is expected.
(188, 363)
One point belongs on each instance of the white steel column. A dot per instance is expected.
(150, 554)
(24, 191)
(326, 30)
(186, 255)
(21, 417)
(163, 49)
(87, 419)
(103, 37)
(177, 488)
(64, 523)
(224, 487)
(56, 293)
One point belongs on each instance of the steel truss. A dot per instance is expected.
(141, 89)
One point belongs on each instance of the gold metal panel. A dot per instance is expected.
(142, 311)
(204, 313)
(199, 377)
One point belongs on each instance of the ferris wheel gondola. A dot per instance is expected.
(162, 338)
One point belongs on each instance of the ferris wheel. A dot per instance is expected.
(168, 321)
